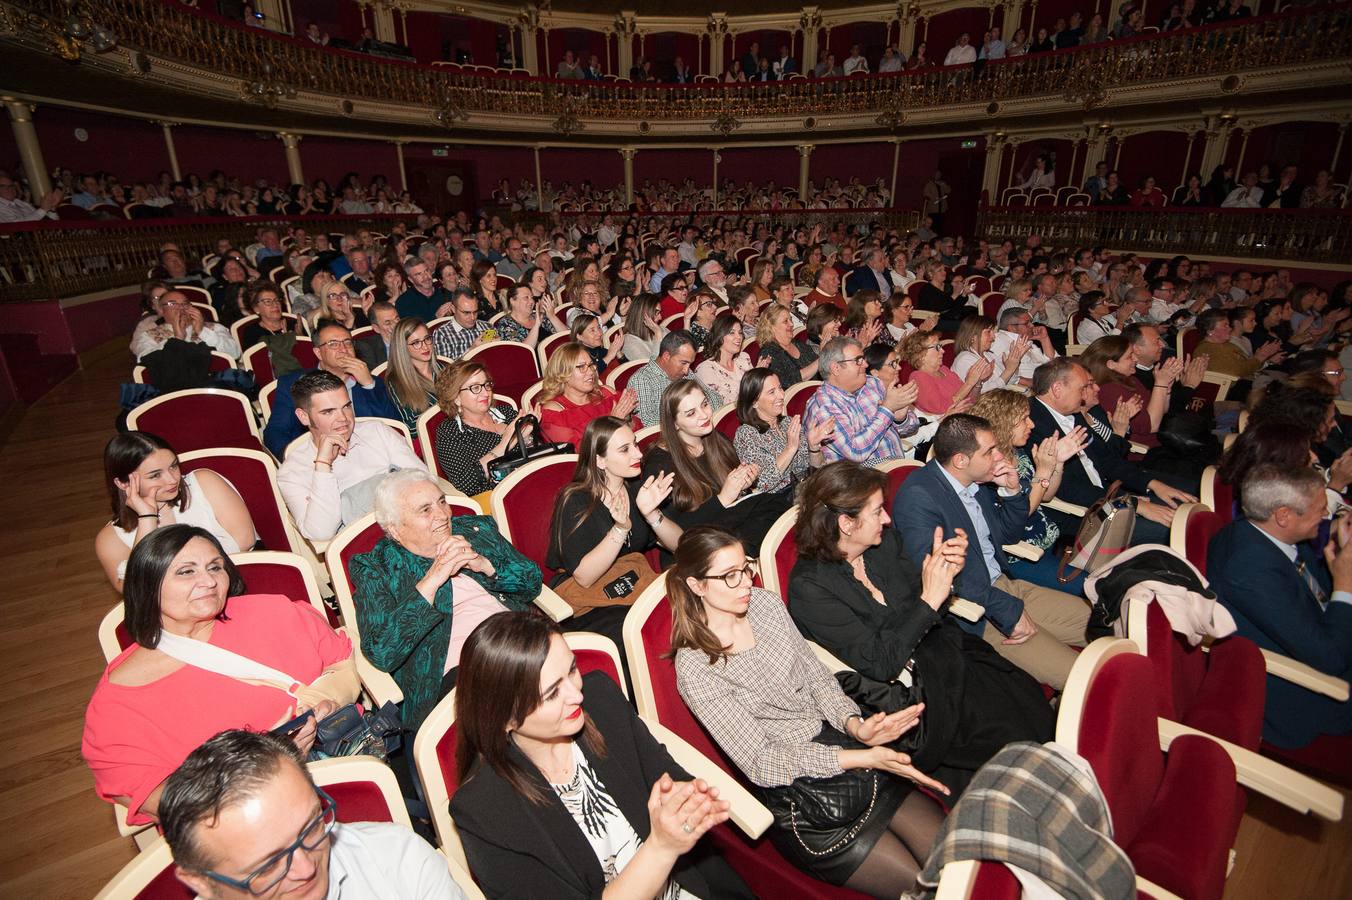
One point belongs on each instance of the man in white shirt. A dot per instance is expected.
(963, 53)
(12, 209)
(182, 320)
(331, 477)
(1247, 196)
(243, 817)
(855, 61)
(1016, 323)
(686, 248)
(712, 276)
(1162, 305)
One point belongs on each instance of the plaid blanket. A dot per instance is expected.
(1033, 807)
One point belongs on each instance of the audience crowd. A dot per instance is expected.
(710, 379)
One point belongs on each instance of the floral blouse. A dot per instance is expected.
(1039, 531)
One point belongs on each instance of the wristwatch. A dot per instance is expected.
(1045, 482)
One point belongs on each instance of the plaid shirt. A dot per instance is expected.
(452, 340)
(649, 382)
(866, 431)
(764, 706)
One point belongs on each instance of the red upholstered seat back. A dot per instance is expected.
(990, 304)
(904, 371)
(1202, 526)
(1178, 673)
(123, 637)
(359, 801)
(1225, 500)
(1204, 397)
(979, 284)
(1120, 739)
(726, 422)
(994, 881)
(914, 290)
(1191, 338)
(529, 506)
(786, 554)
(433, 423)
(259, 359)
(623, 375)
(895, 479)
(250, 478)
(752, 351)
(798, 402)
(199, 421)
(512, 366)
(362, 543)
(166, 886)
(304, 352)
(646, 442)
(950, 352)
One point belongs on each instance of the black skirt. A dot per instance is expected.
(827, 826)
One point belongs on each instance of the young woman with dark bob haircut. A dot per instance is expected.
(564, 793)
(855, 591)
(842, 799)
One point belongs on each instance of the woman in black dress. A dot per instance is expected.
(475, 430)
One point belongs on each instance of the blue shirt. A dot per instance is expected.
(983, 531)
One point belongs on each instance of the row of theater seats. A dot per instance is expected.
(1170, 730)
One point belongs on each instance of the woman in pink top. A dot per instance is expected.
(151, 710)
(941, 391)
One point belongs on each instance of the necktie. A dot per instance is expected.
(1312, 583)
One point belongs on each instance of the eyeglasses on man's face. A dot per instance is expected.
(737, 577)
(336, 343)
(479, 388)
(270, 873)
(852, 361)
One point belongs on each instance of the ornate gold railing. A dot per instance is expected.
(901, 220)
(45, 261)
(167, 29)
(1305, 235)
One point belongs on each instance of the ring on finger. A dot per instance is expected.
(685, 826)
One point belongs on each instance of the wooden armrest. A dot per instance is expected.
(957, 879)
(1308, 677)
(1063, 506)
(1138, 448)
(1150, 889)
(827, 658)
(746, 813)
(1272, 779)
(1024, 550)
(380, 685)
(554, 606)
(319, 547)
(462, 878)
(966, 609)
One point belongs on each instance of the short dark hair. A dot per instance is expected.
(227, 769)
(957, 434)
(1135, 332)
(149, 561)
(311, 383)
(673, 341)
(1053, 372)
(670, 279)
(1312, 361)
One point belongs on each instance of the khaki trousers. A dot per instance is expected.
(1060, 619)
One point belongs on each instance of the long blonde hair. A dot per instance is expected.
(560, 368)
(407, 385)
(766, 326)
(1004, 409)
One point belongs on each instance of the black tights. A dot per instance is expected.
(894, 862)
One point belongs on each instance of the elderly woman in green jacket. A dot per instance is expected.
(427, 584)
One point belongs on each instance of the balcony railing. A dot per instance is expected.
(166, 29)
(1305, 235)
(43, 261)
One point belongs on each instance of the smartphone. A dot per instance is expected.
(289, 728)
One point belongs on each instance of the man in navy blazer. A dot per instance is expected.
(1031, 626)
(1288, 599)
(336, 351)
(871, 276)
(1057, 408)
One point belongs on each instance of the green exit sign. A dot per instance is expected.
(969, 144)
(440, 151)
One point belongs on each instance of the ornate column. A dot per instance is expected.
(804, 161)
(382, 22)
(1032, 20)
(539, 183)
(896, 163)
(30, 152)
(274, 16)
(1096, 144)
(716, 26)
(1217, 133)
(628, 153)
(908, 15)
(169, 147)
(625, 28)
(528, 24)
(1013, 158)
(1243, 147)
(403, 175)
(990, 175)
(292, 144)
(713, 197)
(1187, 158)
(1338, 150)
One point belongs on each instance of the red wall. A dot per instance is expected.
(1308, 145)
(238, 153)
(870, 36)
(331, 158)
(942, 31)
(90, 324)
(132, 149)
(583, 43)
(1158, 153)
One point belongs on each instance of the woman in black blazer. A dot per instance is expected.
(855, 592)
(563, 790)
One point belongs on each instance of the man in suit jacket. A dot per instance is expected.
(1031, 626)
(334, 347)
(1285, 598)
(1059, 387)
(871, 275)
(373, 348)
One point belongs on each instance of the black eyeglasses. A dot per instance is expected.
(270, 874)
(477, 389)
(736, 577)
(329, 345)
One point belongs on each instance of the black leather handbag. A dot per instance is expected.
(522, 452)
(351, 732)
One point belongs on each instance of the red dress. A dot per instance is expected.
(567, 424)
(135, 737)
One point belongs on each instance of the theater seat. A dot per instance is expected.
(150, 876)
(1193, 528)
(617, 379)
(198, 419)
(522, 505)
(511, 364)
(363, 788)
(1176, 818)
(647, 639)
(796, 397)
(253, 475)
(725, 420)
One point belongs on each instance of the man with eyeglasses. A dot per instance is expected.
(179, 320)
(870, 420)
(243, 818)
(675, 294)
(1015, 324)
(714, 279)
(465, 330)
(336, 351)
(14, 209)
(514, 264)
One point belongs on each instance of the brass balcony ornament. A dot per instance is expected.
(568, 122)
(448, 113)
(72, 32)
(726, 123)
(268, 90)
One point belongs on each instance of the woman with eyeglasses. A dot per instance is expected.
(863, 319)
(549, 752)
(856, 592)
(941, 391)
(528, 319)
(412, 369)
(586, 330)
(264, 299)
(842, 799)
(573, 395)
(700, 312)
(227, 290)
(336, 307)
(476, 430)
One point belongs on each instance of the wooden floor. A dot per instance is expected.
(59, 840)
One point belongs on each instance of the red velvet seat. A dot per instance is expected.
(647, 638)
(1176, 817)
(796, 397)
(253, 475)
(199, 419)
(726, 422)
(1191, 338)
(618, 377)
(1193, 528)
(523, 505)
(258, 360)
(512, 365)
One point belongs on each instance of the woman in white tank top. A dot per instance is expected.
(147, 491)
